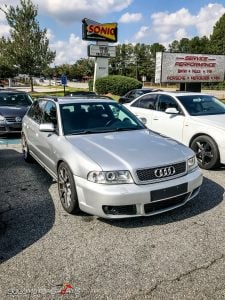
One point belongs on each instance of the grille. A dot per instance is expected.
(149, 174)
(120, 210)
(169, 203)
(10, 119)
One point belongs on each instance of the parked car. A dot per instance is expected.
(106, 162)
(13, 106)
(195, 119)
(56, 82)
(133, 94)
(81, 93)
(87, 94)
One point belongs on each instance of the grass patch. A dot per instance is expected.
(59, 92)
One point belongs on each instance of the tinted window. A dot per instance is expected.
(36, 111)
(198, 105)
(13, 99)
(136, 103)
(50, 113)
(132, 95)
(148, 102)
(165, 102)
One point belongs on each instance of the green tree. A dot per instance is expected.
(28, 46)
(199, 45)
(174, 46)
(7, 69)
(217, 38)
(135, 60)
(194, 45)
(83, 67)
(156, 47)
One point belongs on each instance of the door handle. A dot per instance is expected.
(155, 119)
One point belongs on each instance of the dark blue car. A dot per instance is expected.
(13, 106)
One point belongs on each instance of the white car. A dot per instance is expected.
(194, 119)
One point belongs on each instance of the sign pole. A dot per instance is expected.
(64, 83)
(101, 65)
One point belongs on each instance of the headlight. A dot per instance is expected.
(192, 163)
(110, 177)
(2, 120)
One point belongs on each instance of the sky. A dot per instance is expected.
(139, 21)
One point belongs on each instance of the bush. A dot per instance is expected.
(116, 84)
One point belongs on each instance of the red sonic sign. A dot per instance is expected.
(93, 31)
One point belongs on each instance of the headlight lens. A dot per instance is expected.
(2, 120)
(110, 177)
(192, 163)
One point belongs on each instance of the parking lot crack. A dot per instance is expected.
(178, 278)
(203, 267)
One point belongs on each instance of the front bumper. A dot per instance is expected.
(222, 155)
(132, 200)
(11, 128)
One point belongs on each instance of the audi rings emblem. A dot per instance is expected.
(164, 172)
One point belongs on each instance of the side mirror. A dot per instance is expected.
(122, 100)
(143, 120)
(47, 127)
(172, 111)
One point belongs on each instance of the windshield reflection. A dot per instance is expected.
(199, 105)
(97, 117)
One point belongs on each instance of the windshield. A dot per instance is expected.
(200, 105)
(13, 99)
(97, 117)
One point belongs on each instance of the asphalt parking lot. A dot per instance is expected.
(47, 254)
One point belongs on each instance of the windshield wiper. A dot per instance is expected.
(84, 132)
(127, 128)
(103, 131)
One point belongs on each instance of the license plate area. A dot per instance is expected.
(169, 192)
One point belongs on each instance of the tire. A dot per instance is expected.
(206, 151)
(67, 189)
(26, 153)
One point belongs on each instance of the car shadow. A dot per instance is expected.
(211, 195)
(27, 211)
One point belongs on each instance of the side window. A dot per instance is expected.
(165, 102)
(136, 103)
(148, 102)
(132, 95)
(50, 113)
(36, 111)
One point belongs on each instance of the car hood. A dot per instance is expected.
(217, 121)
(130, 149)
(17, 111)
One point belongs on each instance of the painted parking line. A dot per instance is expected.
(9, 141)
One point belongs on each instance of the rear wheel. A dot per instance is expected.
(26, 153)
(67, 189)
(206, 151)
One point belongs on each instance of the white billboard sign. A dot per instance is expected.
(182, 67)
(101, 51)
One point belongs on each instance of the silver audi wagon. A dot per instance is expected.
(106, 162)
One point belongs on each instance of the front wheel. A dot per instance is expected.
(67, 189)
(206, 151)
